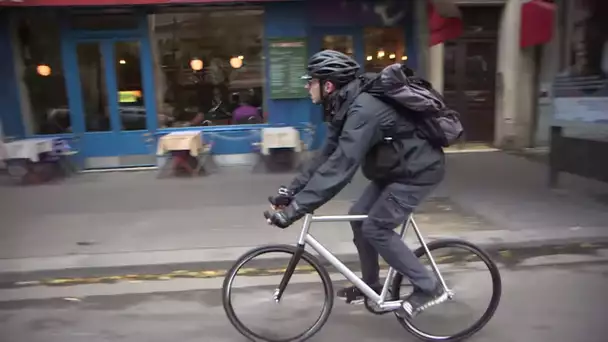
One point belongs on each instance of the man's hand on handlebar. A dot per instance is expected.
(277, 218)
(284, 214)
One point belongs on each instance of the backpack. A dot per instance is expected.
(413, 96)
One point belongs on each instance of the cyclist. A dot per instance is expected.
(402, 171)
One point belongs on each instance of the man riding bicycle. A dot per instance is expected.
(403, 169)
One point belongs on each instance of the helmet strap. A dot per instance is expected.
(324, 99)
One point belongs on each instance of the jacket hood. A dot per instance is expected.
(340, 100)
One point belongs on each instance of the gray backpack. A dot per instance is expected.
(415, 97)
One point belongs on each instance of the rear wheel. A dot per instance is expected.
(458, 261)
(271, 262)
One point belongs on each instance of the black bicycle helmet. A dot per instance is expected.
(331, 65)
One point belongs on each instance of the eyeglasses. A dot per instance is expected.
(311, 81)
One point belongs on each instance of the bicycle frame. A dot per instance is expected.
(379, 299)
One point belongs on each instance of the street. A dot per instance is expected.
(125, 257)
(548, 299)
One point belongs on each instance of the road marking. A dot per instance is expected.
(502, 256)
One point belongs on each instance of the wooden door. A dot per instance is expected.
(470, 69)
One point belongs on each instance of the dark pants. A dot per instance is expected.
(387, 207)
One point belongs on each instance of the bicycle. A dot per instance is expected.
(385, 302)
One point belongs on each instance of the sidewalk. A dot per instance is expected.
(131, 220)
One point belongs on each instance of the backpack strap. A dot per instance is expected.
(340, 116)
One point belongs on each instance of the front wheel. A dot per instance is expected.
(262, 270)
(459, 262)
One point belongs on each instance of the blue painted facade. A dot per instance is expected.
(10, 111)
(282, 19)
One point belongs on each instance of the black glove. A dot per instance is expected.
(283, 198)
(278, 218)
(284, 218)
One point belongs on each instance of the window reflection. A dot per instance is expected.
(450, 72)
(131, 109)
(93, 87)
(481, 19)
(39, 68)
(479, 71)
(340, 43)
(209, 67)
(383, 47)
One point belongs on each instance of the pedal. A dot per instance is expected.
(355, 301)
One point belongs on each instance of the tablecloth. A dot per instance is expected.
(28, 148)
(181, 141)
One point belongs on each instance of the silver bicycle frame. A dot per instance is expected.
(379, 300)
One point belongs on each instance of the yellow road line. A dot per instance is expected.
(249, 271)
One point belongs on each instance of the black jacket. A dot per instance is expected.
(356, 138)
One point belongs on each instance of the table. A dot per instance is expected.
(182, 147)
(279, 149)
(29, 149)
(36, 160)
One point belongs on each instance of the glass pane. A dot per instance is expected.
(209, 66)
(383, 47)
(40, 70)
(450, 58)
(480, 67)
(131, 109)
(343, 44)
(96, 22)
(93, 87)
(481, 19)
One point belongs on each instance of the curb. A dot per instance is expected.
(508, 254)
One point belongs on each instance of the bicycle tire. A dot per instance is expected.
(494, 301)
(310, 259)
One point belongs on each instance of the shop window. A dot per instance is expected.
(383, 47)
(91, 21)
(341, 43)
(40, 74)
(209, 66)
(585, 44)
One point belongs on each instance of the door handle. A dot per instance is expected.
(147, 134)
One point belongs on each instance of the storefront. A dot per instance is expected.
(577, 129)
(113, 79)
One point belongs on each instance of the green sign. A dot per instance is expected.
(129, 96)
(287, 61)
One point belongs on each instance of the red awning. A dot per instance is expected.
(41, 3)
(445, 21)
(537, 22)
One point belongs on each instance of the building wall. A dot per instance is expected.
(509, 128)
(547, 65)
(233, 144)
(521, 118)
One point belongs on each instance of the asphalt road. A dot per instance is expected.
(540, 303)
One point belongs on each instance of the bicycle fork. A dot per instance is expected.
(295, 259)
(291, 268)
